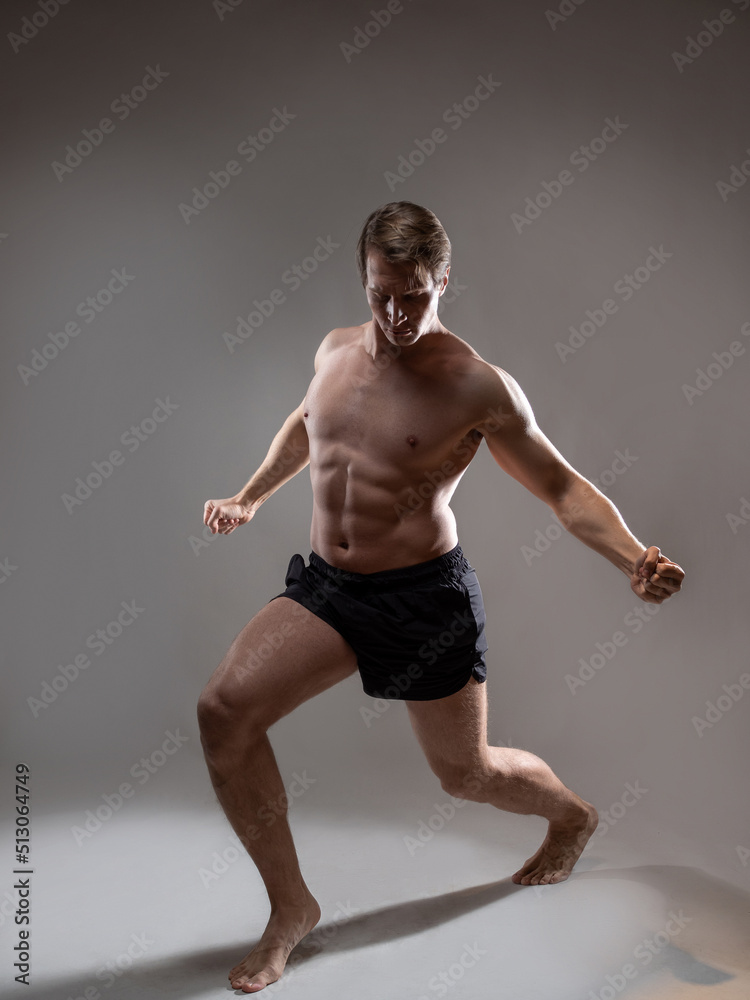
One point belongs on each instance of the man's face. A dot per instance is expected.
(402, 308)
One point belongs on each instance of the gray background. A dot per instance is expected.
(136, 537)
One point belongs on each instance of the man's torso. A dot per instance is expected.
(389, 442)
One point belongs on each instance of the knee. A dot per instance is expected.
(226, 722)
(463, 782)
(213, 717)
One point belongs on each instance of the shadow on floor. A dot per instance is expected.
(715, 945)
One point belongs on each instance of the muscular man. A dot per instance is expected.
(393, 416)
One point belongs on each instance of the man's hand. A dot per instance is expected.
(226, 515)
(655, 578)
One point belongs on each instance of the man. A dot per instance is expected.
(393, 416)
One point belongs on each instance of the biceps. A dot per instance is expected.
(531, 459)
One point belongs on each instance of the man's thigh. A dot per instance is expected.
(284, 656)
(452, 731)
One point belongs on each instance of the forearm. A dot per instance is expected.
(289, 454)
(586, 513)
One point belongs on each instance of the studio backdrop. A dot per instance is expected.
(184, 185)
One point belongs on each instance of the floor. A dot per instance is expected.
(157, 902)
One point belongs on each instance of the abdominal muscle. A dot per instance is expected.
(366, 523)
(387, 449)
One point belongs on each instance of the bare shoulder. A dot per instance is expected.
(338, 337)
(497, 397)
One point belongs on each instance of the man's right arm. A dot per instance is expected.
(290, 449)
(289, 454)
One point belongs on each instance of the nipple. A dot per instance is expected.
(411, 440)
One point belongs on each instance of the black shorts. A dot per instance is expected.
(418, 631)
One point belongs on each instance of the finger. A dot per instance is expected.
(650, 561)
(671, 570)
(217, 520)
(670, 579)
(656, 591)
(648, 598)
(652, 594)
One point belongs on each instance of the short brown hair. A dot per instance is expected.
(405, 233)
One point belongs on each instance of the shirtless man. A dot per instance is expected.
(393, 416)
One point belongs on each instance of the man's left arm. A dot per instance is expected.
(522, 450)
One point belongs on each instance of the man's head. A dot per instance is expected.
(403, 256)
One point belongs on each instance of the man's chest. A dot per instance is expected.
(396, 416)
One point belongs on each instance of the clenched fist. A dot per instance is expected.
(655, 578)
(226, 515)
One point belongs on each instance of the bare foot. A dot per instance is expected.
(265, 963)
(562, 847)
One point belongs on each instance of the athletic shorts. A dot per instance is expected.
(418, 631)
